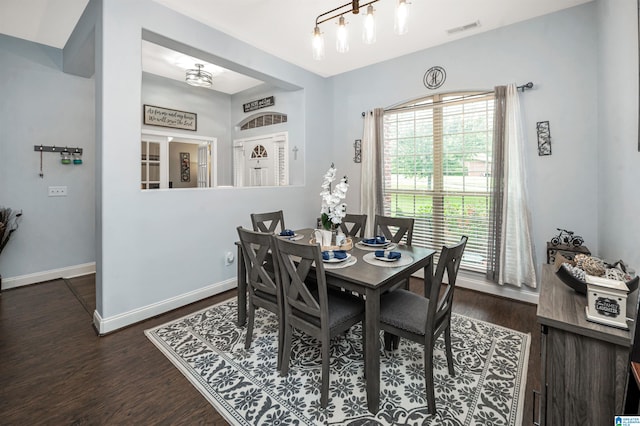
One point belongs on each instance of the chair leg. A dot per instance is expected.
(428, 372)
(391, 341)
(324, 386)
(286, 351)
(280, 341)
(447, 344)
(251, 311)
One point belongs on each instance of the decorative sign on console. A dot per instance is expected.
(260, 103)
(158, 116)
(607, 301)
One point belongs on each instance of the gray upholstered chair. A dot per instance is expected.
(263, 284)
(394, 228)
(354, 224)
(315, 310)
(268, 222)
(422, 319)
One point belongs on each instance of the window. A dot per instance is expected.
(436, 168)
(263, 119)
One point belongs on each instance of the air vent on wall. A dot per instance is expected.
(463, 28)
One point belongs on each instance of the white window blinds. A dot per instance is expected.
(436, 168)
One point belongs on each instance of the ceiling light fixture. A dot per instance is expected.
(368, 28)
(198, 77)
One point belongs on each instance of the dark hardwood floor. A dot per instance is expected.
(54, 369)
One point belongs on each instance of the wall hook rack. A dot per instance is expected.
(53, 148)
(66, 153)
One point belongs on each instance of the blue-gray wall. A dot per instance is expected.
(558, 53)
(618, 158)
(142, 267)
(41, 105)
(583, 62)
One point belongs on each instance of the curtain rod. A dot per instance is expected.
(522, 88)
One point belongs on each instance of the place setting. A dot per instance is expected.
(288, 234)
(336, 259)
(388, 258)
(376, 243)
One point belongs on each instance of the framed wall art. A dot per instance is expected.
(185, 167)
(165, 117)
(544, 138)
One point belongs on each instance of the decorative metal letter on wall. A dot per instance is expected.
(185, 167)
(544, 138)
(357, 146)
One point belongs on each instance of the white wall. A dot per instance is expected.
(558, 54)
(618, 157)
(43, 106)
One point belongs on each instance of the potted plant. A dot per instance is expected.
(9, 219)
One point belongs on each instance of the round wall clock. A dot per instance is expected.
(434, 77)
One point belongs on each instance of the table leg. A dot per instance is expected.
(242, 288)
(372, 351)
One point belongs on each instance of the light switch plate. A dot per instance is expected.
(57, 191)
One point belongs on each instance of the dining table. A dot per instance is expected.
(367, 278)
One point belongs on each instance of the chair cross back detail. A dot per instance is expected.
(354, 224)
(295, 275)
(385, 225)
(268, 222)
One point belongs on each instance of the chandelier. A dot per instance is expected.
(198, 77)
(368, 25)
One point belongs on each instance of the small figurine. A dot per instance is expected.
(567, 238)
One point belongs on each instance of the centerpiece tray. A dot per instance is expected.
(348, 245)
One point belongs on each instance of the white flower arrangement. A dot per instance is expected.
(333, 209)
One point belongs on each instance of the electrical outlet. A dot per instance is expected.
(229, 258)
(57, 191)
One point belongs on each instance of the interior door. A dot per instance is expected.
(261, 161)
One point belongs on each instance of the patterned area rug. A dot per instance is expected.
(245, 387)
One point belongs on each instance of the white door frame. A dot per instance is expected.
(164, 138)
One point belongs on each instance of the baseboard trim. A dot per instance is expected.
(521, 294)
(116, 322)
(53, 274)
(478, 283)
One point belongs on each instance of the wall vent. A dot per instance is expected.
(463, 28)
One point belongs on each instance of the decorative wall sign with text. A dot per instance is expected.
(164, 117)
(185, 167)
(260, 103)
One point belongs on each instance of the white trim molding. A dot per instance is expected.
(53, 274)
(477, 282)
(116, 322)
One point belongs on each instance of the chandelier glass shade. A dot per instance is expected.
(368, 25)
(198, 77)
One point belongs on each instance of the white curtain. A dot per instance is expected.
(370, 174)
(516, 251)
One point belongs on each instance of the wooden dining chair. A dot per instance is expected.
(315, 310)
(394, 228)
(423, 319)
(354, 225)
(268, 222)
(263, 284)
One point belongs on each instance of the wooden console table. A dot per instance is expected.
(584, 365)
